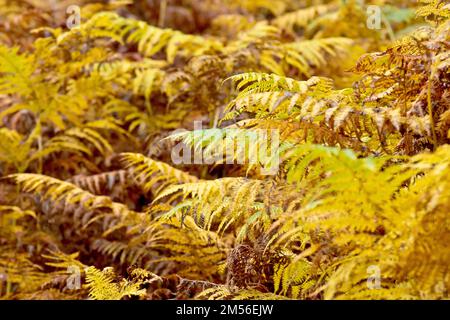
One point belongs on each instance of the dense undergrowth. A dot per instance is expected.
(93, 203)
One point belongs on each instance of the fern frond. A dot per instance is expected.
(293, 279)
(21, 274)
(145, 82)
(71, 196)
(152, 174)
(132, 254)
(16, 72)
(238, 197)
(14, 150)
(9, 220)
(308, 54)
(434, 9)
(277, 7)
(102, 285)
(149, 39)
(225, 293)
(302, 17)
(98, 182)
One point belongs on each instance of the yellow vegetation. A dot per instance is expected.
(93, 205)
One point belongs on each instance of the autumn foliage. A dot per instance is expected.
(346, 102)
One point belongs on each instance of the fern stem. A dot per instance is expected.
(39, 142)
(162, 13)
(430, 111)
(390, 31)
(8, 287)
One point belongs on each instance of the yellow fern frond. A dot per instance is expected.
(152, 174)
(72, 197)
(302, 17)
(434, 9)
(102, 285)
